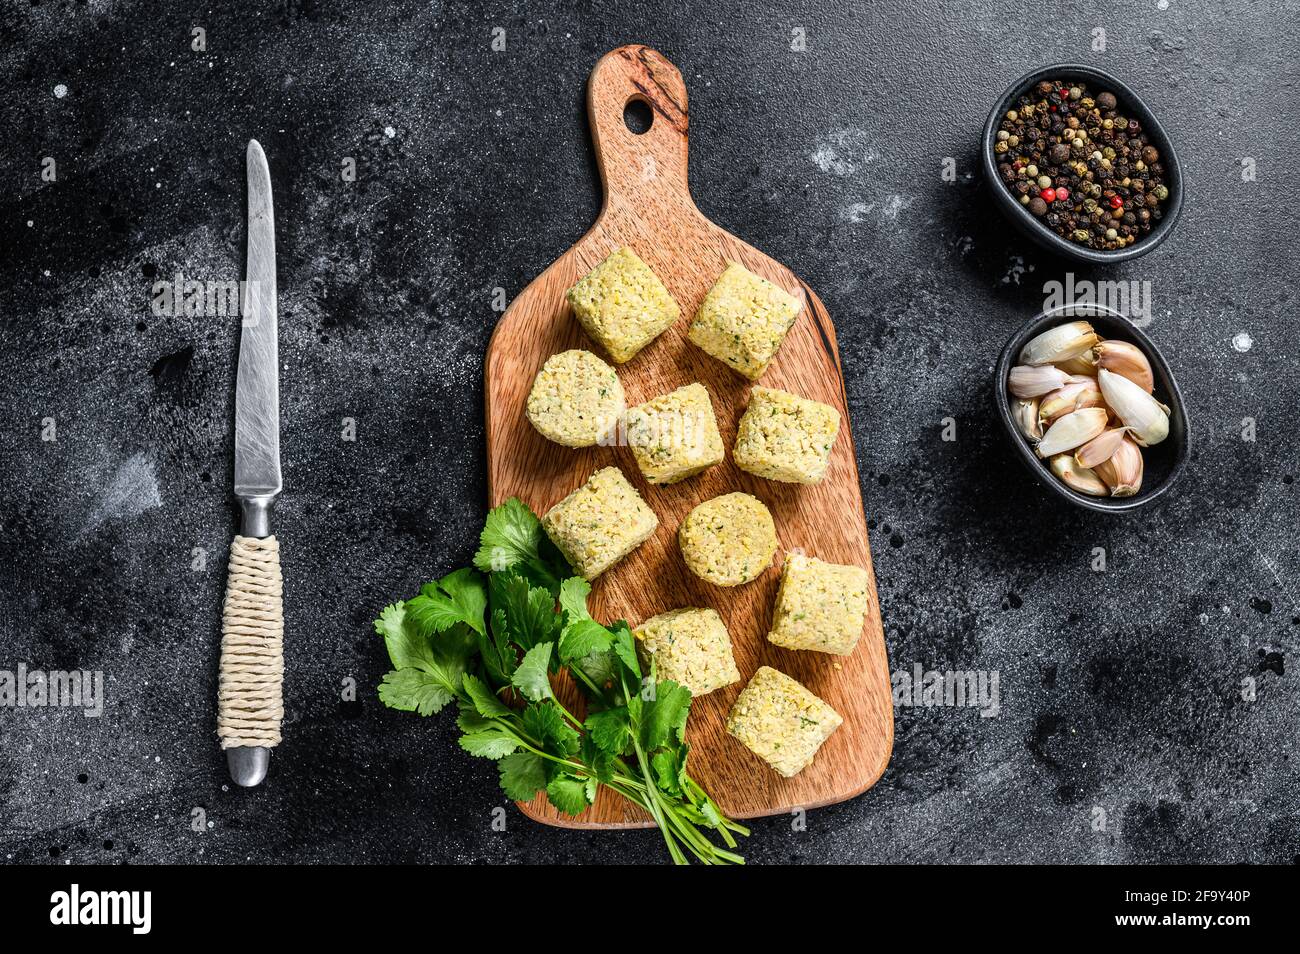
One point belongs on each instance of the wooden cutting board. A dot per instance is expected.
(648, 206)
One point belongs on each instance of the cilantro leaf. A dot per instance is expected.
(582, 638)
(470, 719)
(428, 672)
(489, 744)
(625, 647)
(510, 536)
(610, 729)
(459, 597)
(406, 648)
(544, 722)
(600, 762)
(568, 794)
(413, 690)
(573, 598)
(484, 699)
(523, 775)
(513, 539)
(530, 678)
(665, 715)
(495, 648)
(601, 668)
(668, 765)
(530, 616)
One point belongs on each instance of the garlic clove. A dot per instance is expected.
(1078, 478)
(1083, 365)
(1061, 343)
(1123, 472)
(1081, 392)
(1072, 430)
(1146, 418)
(1100, 448)
(1030, 382)
(1123, 358)
(1024, 411)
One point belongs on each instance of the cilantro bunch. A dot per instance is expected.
(490, 637)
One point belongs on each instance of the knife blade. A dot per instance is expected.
(249, 699)
(257, 384)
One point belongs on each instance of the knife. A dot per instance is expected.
(249, 700)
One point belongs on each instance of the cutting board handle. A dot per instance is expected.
(632, 166)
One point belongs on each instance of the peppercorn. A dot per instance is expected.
(1060, 154)
(1106, 100)
(1038, 206)
(1162, 192)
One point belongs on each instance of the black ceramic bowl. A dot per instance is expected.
(1129, 104)
(1162, 464)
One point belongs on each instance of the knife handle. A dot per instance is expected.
(249, 701)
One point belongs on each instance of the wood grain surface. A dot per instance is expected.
(648, 206)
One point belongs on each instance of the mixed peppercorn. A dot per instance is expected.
(1087, 171)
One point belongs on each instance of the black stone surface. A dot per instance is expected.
(1121, 691)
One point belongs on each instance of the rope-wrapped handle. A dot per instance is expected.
(249, 701)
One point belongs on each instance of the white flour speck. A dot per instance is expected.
(390, 132)
(60, 91)
(857, 211)
(893, 205)
(1242, 341)
(1015, 269)
(840, 152)
(132, 491)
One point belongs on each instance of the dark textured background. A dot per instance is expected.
(1120, 690)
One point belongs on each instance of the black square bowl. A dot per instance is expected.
(1162, 464)
(1130, 104)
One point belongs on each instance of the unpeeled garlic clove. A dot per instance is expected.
(1072, 430)
(1146, 418)
(1078, 478)
(1100, 448)
(1024, 411)
(1061, 343)
(1030, 382)
(1123, 472)
(1127, 360)
(1079, 393)
(1084, 365)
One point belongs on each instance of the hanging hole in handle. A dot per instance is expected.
(638, 117)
